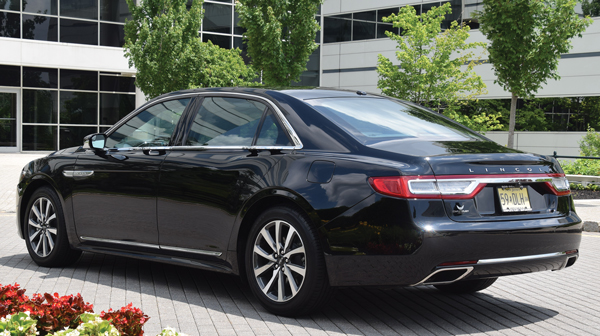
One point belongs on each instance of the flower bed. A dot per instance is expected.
(69, 315)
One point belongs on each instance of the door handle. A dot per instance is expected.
(155, 152)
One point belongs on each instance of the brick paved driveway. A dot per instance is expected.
(205, 303)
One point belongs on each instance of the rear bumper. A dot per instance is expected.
(538, 247)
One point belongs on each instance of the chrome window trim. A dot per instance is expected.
(522, 258)
(285, 123)
(153, 246)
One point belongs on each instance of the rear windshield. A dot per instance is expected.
(373, 120)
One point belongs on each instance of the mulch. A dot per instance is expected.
(585, 194)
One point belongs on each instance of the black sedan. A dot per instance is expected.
(299, 192)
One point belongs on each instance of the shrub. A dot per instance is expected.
(581, 167)
(590, 143)
(19, 324)
(91, 325)
(12, 297)
(128, 320)
(58, 312)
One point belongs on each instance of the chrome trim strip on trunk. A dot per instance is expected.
(154, 246)
(77, 173)
(522, 258)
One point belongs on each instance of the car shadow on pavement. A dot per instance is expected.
(202, 294)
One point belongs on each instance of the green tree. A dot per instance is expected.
(591, 7)
(280, 35)
(526, 40)
(162, 43)
(431, 61)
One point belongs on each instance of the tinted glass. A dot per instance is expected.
(76, 31)
(40, 106)
(41, 6)
(8, 133)
(363, 30)
(386, 12)
(238, 43)
(220, 40)
(342, 16)
(40, 77)
(78, 80)
(10, 4)
(117, 84)
(426, 7)
(8, 119)
(84, 9)
(310, 77)
(114, 10)
(383, 27)
(113, 107)
(375, 119)
(112, 35)
(368, 16)
(10, 25)
(151, 127)
(271, 133)
(10, 75)
(455, 5)
(72, 136)
(42, 28)
(225, 122)
(78, 108)
(236, 28)
(40, 138)
(337, 30)
(217, 18)
(8, 105)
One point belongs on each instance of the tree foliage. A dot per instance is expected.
(590, 143)
(591, 7)
(431, 62)
(163, 44)
(280, 36)
(526, 41)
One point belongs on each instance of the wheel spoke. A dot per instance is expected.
(294, 251)
(47, 212)
(52, 230)
(297, 269)
(262, 269)
(277, 235)
(258, 250)
(44, 246)
(50, 241)
(291, 281)
(51, 218)
(280, 284)
(36, 211)
(34, 235)
(289, 238)
(270, 283)
(267, 237)
(34, 224)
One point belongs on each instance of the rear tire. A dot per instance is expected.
(466, 286)
(45, 232)
(284, 263)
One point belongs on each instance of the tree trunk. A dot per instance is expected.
(511, 123)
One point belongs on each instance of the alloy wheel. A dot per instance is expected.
(279, 261)
(42, 226)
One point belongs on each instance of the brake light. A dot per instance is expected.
(559, 185)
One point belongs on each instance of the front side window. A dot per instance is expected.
(223, 121)
(153, 126)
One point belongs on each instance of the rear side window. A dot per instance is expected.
(271, 133)
(378, 119)
(223, 121)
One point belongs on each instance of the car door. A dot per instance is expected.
(114, 191)
(228, 149)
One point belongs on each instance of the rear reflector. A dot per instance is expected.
(571, 252)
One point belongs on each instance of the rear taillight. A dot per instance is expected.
(460, 186)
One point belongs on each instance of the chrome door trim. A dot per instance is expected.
(154, 246)
(77, 173)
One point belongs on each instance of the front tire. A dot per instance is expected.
(45, 231)
(284, 263)
(466, 286)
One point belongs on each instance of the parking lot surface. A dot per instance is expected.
(199, 302)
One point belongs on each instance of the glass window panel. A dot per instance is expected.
(10, 75)
(40, 106)
(238, 43)
(42, 28)
(368, 16)
(337, 30)
(363, 30)
(84, 9)
(104, 129)
(272, 134)
(237, 29)
(454, 15)
(113, 107)
(41, 6)
(114, 10)
(427, 7)
(75, 31)
(72, 136)
(342, 16)
(220, 40)
(417, 9)
(217, 18)
(117, 84)
(225, 122)
(10, 5)
(10, 25)
(112, 35)
(78, 80)
(40, 77)
(8, 119)
(8, 133)
(8, 105)
(386, 12)
(78, 108)
(43, 138)
(383, 27)
(151, 127)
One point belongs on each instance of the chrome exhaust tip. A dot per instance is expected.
(445, 276)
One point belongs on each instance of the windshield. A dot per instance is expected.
(379, 119)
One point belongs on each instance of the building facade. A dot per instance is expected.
(63, 74)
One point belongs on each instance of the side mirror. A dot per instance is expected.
(94, 141)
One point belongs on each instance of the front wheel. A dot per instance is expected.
(466, 286)
(45, 232)
(284, 263)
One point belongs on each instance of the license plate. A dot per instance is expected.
(514, 199)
